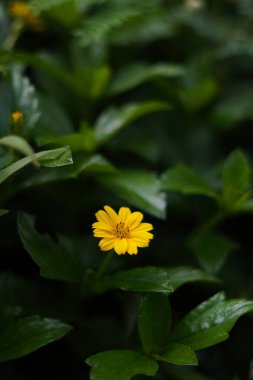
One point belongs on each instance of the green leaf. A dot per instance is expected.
(19, 144)
(97, 26)
(120, 365)
(181, 275)
(235, 178)
(154, 321)
(210, 322)
(92, 82)
(146, 279)
(113, 120)
(54, 117)
(178, 354)
(200, 94)
(135, 75)
(234, 108)
(25, 98)
(185, 180)
(211, 249)
(83, 164)
(49, 158)
(28, 334)
(57, 261)
(139, 188)
(3, 212)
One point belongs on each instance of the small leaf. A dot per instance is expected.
(139, 188)
(154, 320)
(28, 334)
(135, 75)
(181, 275)
(49, 158)
(146, 279)
(211, 249)
(19, 144)
(56, 261)
(115, 119)
(178, 354)
(210, 322)
(235, 177)
(120, 365)
(185, 180)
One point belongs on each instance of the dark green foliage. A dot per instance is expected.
(148, 105)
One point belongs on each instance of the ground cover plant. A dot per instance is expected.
(126, 189)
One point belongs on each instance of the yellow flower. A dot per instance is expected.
(123, 232)
(21, 10)
(17, 117)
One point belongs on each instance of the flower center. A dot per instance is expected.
(121, 230)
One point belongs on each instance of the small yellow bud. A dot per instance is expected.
(17, 117)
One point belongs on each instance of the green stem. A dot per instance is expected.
(12, 37)
(104, 264)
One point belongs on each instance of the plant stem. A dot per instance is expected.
(104, 264)
(12, 37)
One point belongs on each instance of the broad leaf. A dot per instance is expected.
(154, 320)
(139, 188)
(57, 261)
(178, 354)
(49, 158)
(133, 76)
(236, 178)
(210, 322)
(185, 180)
(146, 279)
(211, 249)
(182, 275)
(120, 365)
(28, 334)
(115, 119)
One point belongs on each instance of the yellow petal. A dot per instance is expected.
(141, 242)
(131, 247)
(144, 227)
(103, 226)
(103, 217)
(124, 212)
(112, 214)
(141, 235)
(120, 246)
(103, 233)
(133, 220)
(106, 244)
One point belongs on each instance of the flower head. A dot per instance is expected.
(23, 11)
(123, 231)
